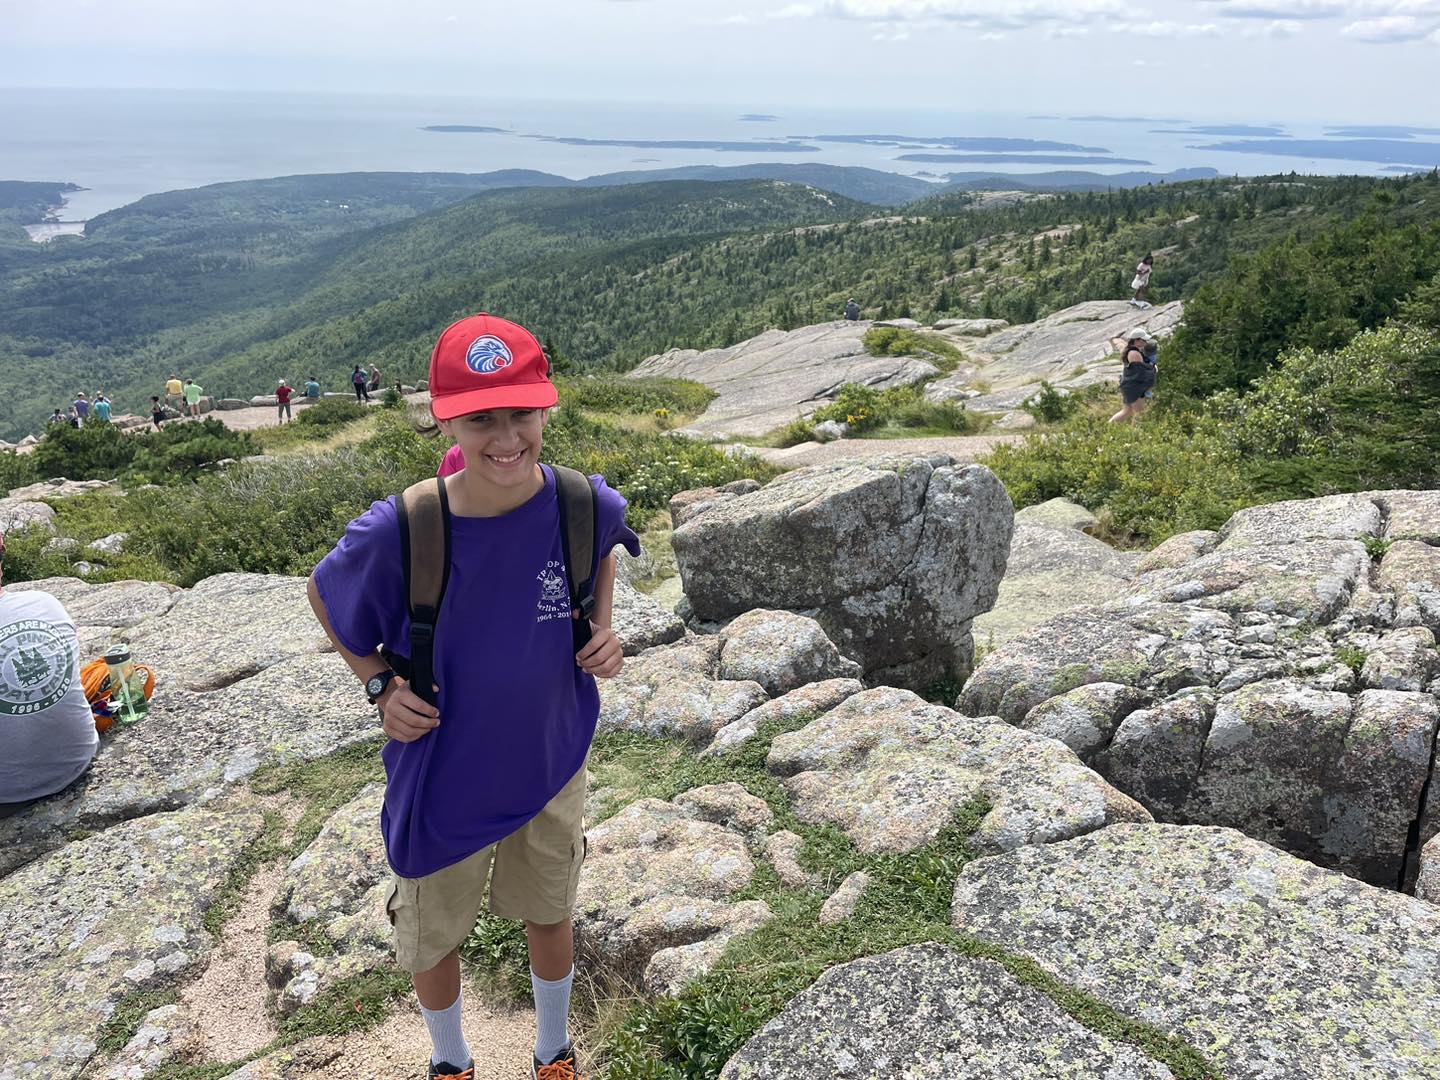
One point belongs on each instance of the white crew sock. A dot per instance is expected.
(447, 1040)
(552, 1013)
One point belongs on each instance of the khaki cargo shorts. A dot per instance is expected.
(536, 872)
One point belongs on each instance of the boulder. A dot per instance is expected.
(658, 900)
(892, 771)
(1180, 550)
(1427, 884)
(970, 327)
(59, 488)
(1402, 659)
(894, 558)
(1333, 517)
(114, 544)
(672, 690)
(927, 1011)
(115, 606)
(830, 430)
(114, 913)
(1052, 568)
(1057, 514)
(811, 700)
(231, 404)
(781, 375)
(1155, 754)
(1411, 570)
(1085, 718)
(640, 623)
(1409, 515)
(843, 902)
(781, 651)
(17, 514)
(685, 505)
(166, 1036)
(1269, 965)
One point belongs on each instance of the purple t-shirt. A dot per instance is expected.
(516, 712)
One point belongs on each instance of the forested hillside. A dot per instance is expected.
(239, 287)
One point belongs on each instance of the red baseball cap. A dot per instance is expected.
(483, 362)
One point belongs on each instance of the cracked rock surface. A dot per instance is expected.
(1267, 964)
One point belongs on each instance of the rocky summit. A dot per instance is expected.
(1183, 812)
(894, 558)
(1278, 676)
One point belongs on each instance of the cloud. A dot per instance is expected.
(1275, 28)
(1390, 29)
(1288, 10)
(1174, 29)
(992, 16)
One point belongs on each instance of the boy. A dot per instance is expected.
(493, 775)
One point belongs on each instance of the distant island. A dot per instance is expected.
(957, 142)
(762, 146)
(1071, 179)
(1021, 159)
(758, 118)
(1379, 131)
(466, 129)
(1128, 120)
(1224, 129)
(1379, 151)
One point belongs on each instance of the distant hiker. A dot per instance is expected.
(852, 309)
(494, 777)
(47, 732)
(174, 392)
(374, 387)
(80, 406)
(102, 408)
(1137, 376)
(57, 417)
(1141, 283)
(312, 390)
(157, 411)
(193, 393)
(283, 393)
(361, 382)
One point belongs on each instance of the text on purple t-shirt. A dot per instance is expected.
(517, 714)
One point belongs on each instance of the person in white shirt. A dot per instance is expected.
(47, 732)
(1141, 283)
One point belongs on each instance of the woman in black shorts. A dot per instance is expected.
(1137, 377)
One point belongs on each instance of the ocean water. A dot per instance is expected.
(123, 144)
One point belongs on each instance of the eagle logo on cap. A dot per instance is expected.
(488, 355)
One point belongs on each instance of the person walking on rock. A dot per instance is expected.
(488, 782)
(283, 392)
(47, 731)
(1141, 282)
(193, 394)
(1137, 377)
(361, 382)
(852, 310)
(157, 411)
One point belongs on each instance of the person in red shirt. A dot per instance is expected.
(283, 393)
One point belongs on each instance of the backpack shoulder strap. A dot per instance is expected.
(579, 519)
(424, 513)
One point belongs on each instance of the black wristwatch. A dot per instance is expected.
(376, 684)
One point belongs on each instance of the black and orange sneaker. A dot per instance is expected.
(445, 1071)
(562, 1068)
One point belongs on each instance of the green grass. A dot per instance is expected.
(122, 1024)
(893, 341)
(325, 785)
(614, 393)
(691, 1036)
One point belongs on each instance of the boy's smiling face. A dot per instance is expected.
(501, 446)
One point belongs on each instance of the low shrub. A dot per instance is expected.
(1168, 474)
(179, 451)
(16, 471)
(1051, 406)
(866, 409)
(614, 393)
(895, 341)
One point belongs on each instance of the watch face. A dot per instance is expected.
(375, 685)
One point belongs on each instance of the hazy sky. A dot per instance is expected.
(1258, 60)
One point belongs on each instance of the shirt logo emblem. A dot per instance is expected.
(37, 666)
(488, 355)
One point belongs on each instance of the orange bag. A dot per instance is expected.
(95, 678)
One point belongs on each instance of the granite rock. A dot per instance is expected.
(781, 651)
(925, 1012)
(640, 623)
(1269, 965)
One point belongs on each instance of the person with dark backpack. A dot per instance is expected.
(361, 382)
(475, 607)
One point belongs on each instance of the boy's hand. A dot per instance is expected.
(604, 656)
(406, 714)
